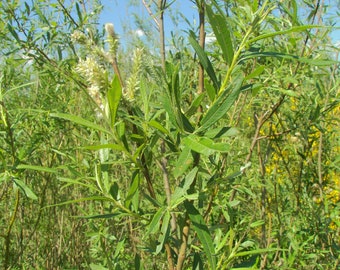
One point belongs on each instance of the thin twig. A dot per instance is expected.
(147, 7)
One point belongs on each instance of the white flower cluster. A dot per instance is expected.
(112, 39)
(78, 37)
(95, 76)
(110, 30)
(132, 83)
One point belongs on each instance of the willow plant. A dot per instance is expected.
(193, 165)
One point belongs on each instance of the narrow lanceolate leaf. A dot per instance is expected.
(114, 95)
(195, 105)
(219, 25)
(165, 230)
(185, 159)
(79, 120)
(222, 104)
(155, 222)
(41, 14)
(204, 60)
(105, 146)
(283, 32)
(157, 125)
(211, 91)
(181, 190)
(258, 71)
(133, 190)
(309, 61)
(203, 233)
(97, 267)
(204, 145)
(93, 198)
(37, 168)
(25, 189)
(14, 34)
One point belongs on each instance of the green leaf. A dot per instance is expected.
(222, 132)
(25, 189)
(155, 222)
(222, 105)
(133, 190)
(193, 142)
(157, 125)
(105, 146)
(114, 95)
(80, 121)
(78, 182)
(202, 232)
(194, 105)
(104, 216)
(40, 13)
(204, 145)
(37, 168)
(181, 190)
(257, 251)
(257, 223)
(309, 61)
(284, 32)
(97, 267)
(92, 198)
(258, 71)
(186, 123)
(211, 91)
(165, 230)
(79, 13)
(12, 31)
(197, 263)
(220, 28)
(204, 60)
(170, 111)
(175, 94)
(185, 159)
(288, 92)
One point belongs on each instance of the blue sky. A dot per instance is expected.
(119, 12)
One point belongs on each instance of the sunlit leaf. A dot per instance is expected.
(157, 125)
(219, 25)
(25, 189)
(164, 233)
(114, 95)
(133, 190)
(182, 189)
(283, 32)
(222, 104)
(155, 222)
(37, 168)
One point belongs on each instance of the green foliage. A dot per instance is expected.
(113, 165)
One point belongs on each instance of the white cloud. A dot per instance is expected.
(139, 32)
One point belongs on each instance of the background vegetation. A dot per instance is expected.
(170, 153)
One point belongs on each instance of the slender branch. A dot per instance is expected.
(9, 230)
(164, 161)
(117, 70)
(68, 13)
(161, 6)
(184, 243)
(147, 7)
(201, 7)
